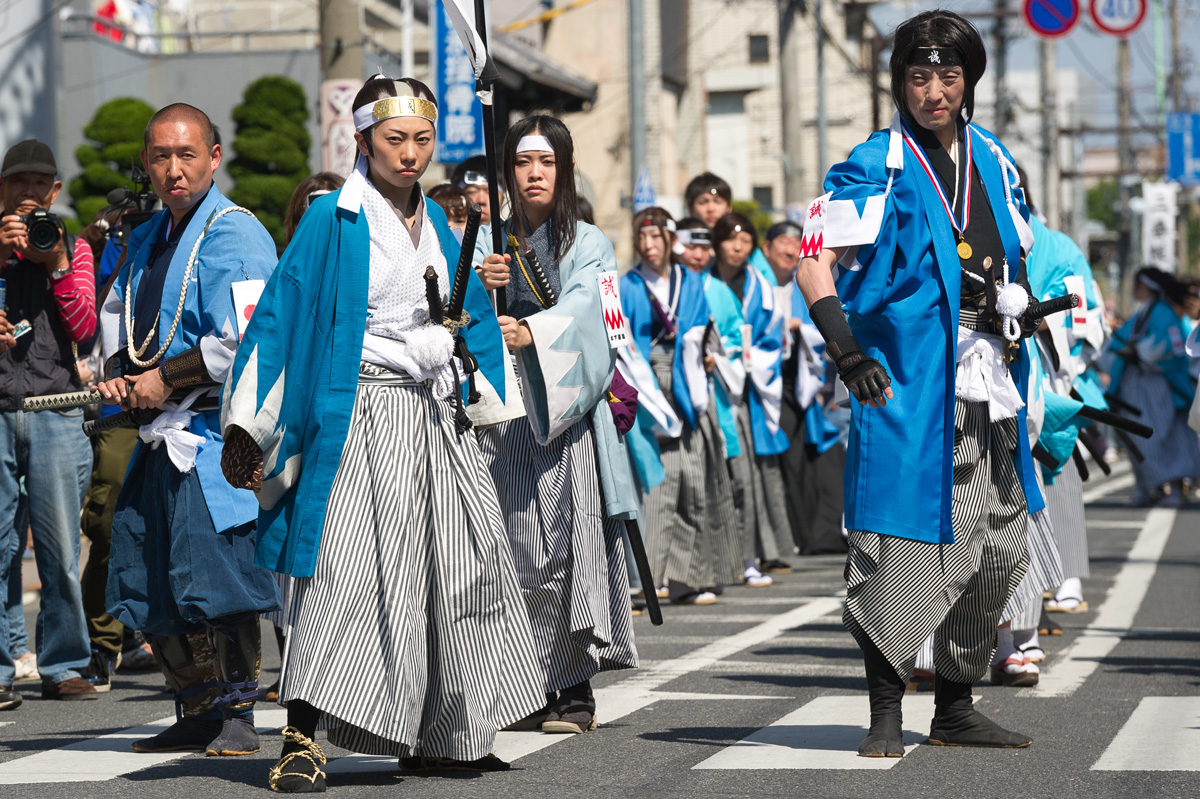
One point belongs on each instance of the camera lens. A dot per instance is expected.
(43, 231)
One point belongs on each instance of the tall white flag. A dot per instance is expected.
(1158, 224)
(462, 16)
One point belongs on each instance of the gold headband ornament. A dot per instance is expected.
(391, 107)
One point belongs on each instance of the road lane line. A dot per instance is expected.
(1115, 617)
(1162, 734)
(633, 693)
(823, 734)
(107, 756)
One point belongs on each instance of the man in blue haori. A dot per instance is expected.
(182, 558)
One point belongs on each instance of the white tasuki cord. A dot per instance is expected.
(135, 354)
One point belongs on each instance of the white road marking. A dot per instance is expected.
(1115, 617)
(6, 723)
(824, 734)
(635, 692)
(108, 756)
(1163, 734)
(1122, 478)
(1111, 524)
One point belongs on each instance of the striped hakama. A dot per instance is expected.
(899, 591)
(1064, 503)
(569, 556)
(691, 521)
(1173, 452)
(760, 497)
(1045, 574)
(411, 637)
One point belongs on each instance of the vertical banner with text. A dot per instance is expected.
(338, 149)
(460, 114)
(1158, 224)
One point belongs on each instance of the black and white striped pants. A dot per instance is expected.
(898, 591)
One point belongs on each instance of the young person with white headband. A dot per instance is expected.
(921, 241)
(341, 415)
(757, 478)
(691, 522)
(562, 472)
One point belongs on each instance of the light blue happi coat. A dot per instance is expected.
(727, 316)
(566, 372)
(236, 248)
(818, 430)
(900, 282)
(764, 380)
(294, 381)
(1158, 335)
(690, 314)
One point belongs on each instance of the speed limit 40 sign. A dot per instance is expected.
(1118, 17)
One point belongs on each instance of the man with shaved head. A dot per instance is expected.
(182, 558)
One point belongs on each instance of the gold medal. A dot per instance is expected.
(964, 251)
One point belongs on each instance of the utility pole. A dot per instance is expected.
(1128, 168)
(822, 118)
(789, 95)
(408, 58)
(1000, 55)
(1048, 79)
(341, 39)
(637, 94)
(1176, 76)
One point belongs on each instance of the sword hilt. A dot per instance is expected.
(54, 402)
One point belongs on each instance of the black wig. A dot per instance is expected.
(942, 29)
(566, 202)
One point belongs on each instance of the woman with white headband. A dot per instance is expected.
(562, 472)
(340, 413)
(691, 522)
(757, 391)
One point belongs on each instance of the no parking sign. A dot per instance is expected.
(1118, 17)
(1051, 17)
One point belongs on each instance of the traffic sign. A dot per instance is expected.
(1051, 17)
(643, 193)
(1183, 148)
(1118, 17)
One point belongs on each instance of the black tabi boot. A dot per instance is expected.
(534, 720)
(190, 677)
(299, 766)
(237, 645)
(886, 736)
(956, 722)
(574, 712)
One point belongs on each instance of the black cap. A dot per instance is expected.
(29, 156)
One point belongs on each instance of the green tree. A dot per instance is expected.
(113, 145)
(270, 149)
(1102, 203)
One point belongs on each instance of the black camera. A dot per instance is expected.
(45, 229)
(137, 206)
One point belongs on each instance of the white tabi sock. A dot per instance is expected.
(1072, 588)
(1004, 646)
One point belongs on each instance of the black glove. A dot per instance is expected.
(864, 377)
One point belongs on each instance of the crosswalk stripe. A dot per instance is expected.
(823, 734)
(1162, 734)
(1111, 524)
(108, 756)
(1114, 619)
(636, 692)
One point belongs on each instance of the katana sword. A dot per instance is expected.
(56, 402)
(458, 292)
(649, 586)
(539, 277)
(1040, 310)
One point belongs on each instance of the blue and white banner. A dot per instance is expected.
(460, 114)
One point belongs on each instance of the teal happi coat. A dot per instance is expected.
(294, 381)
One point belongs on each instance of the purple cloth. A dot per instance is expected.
(623, 402)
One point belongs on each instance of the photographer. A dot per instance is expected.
(49, 307)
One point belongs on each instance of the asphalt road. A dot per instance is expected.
(761, 694)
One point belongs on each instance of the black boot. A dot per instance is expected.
(956, 722)
(886, 736)
(237, 645)
(299, 766)
(190, 677)
(534, 720)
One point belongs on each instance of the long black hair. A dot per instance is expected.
(946, 30)
(565, 200)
